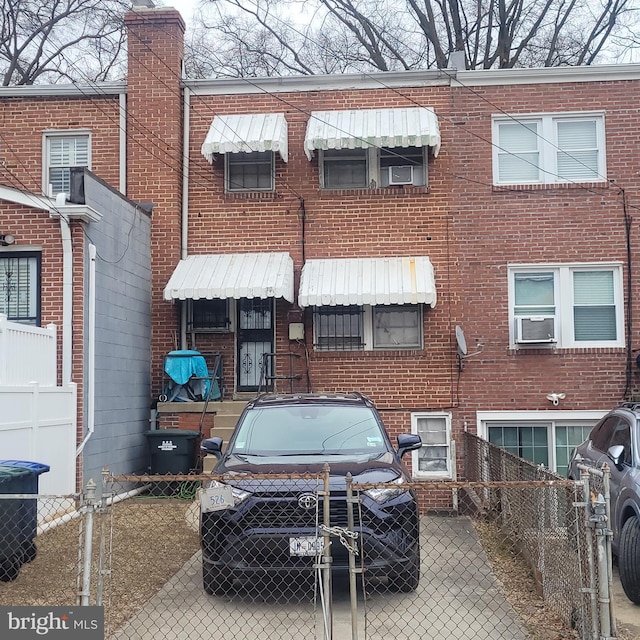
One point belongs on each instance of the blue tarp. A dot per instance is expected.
(190, 380)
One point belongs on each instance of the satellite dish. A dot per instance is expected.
(462, 343)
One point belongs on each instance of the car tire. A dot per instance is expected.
(213, 582)
(629, 559)
(30, 551)
(406, 580)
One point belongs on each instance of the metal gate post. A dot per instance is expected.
(327, 603)
(88, 541)
(352, 559)
(606, 484)
(591, 589)
(102, 510)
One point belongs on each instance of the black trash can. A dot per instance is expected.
(28, 508)
(18, 519)
(171, 451)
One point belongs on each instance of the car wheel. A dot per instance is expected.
(407, 578)
(213, 582)
(629, 559)
(9, 569)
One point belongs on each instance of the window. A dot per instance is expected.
(338, 328)
(366, 327)
(434, 458)
(549, 149)
(580, 305)
(206, 316)
(397, 327)
(373, 167)
(63, 151)
(20, 287)
(249, 171)
(546, 439)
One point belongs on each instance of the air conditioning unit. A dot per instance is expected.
(401, 175)
(535, 329)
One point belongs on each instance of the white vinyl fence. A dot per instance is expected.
(37, 418)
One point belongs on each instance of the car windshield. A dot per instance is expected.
(307, 429)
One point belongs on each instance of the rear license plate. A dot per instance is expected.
(306, 546)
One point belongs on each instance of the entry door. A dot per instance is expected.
(255, 337)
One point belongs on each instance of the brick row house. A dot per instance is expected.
(458, 245)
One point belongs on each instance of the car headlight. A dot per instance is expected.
(383, 494)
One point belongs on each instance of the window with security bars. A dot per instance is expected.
(549, 149)
(63, 153)
(20, 287)
(338, 328)
(250, 171)
(434, 458)
(208, 315)
(585, 302)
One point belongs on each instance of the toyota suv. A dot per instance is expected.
(262, 515)
(616, 441)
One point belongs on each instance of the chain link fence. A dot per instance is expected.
(511, 551)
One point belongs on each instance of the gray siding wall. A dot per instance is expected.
(123, 333)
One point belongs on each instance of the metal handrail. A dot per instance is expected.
(268, 363)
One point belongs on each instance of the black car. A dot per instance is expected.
(256, 528)
(616, 441)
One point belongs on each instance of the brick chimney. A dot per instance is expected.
(154, 151)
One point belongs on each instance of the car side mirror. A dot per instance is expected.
(408, 442)
(213, 446)
(615, 453)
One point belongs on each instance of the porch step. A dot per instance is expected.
(226, 417)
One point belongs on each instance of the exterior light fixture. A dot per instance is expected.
(6, 239)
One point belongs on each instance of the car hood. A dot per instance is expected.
(363, 469)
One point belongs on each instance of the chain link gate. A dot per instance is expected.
(136, 550)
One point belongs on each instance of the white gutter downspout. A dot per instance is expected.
(184, 232)
(67, 299)
(91, 349)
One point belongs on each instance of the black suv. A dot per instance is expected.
(255, 528)
(616, 441)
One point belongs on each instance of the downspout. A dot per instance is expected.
(91, 349)
(67, 299)
(184, 232)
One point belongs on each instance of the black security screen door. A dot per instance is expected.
(255, 337)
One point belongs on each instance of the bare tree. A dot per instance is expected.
(279, 37)
(61, 40)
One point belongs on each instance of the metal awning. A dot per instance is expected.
(359, 129)
(246, 133)
(232, 275)
(374, 281)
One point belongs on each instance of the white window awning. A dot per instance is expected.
(374, 281)
(246, 133)
(232, 275)
(360, 129)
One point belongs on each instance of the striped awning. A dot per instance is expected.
(246, 133)
(232, 275)
(374, 281)
(359, 129)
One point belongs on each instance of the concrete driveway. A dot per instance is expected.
(458, 599)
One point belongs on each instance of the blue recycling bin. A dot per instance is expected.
(19, 516)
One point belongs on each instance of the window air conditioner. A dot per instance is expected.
(535, 329)
(401, 175)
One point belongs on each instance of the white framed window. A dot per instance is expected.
(210, 316)
(354, 327)
(254, 171)
(549, 149)
(546, 438)
(20, 286)
(566, 306)
(373, 167)
(435, 459)
(63, 150)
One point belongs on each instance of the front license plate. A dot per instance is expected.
(306, 546)
(216, 498)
